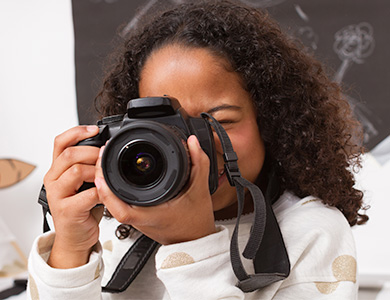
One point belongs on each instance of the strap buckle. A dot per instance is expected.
(231, 167)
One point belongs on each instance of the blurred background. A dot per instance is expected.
(51, 65)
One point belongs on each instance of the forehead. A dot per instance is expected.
(199, 79)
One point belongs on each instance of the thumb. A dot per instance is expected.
(104, 191)
(199, 159)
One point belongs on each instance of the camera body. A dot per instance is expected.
(146, 160)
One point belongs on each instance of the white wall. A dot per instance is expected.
(37, 100)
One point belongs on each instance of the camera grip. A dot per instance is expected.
(98, 140)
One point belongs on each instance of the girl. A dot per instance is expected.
(279, 109)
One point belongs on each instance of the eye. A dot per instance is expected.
(225, 122)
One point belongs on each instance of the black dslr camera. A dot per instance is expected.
(146, 160)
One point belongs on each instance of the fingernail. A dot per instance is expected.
(101, 151)
(98, 183)
(91, 128)
(195, 141)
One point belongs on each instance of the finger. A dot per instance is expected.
(72, 206)
(200, 161)
(87, 199)
(70, 181)
(99, 162)
(71, 137)
(122, 211)
(116, 206)
(98, 165)
(69, 157)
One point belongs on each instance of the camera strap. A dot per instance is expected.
(265, 241)
(130, 264)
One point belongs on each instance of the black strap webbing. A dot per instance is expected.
(130, 265)
(18, 288)
(250, 282)
(42, 200)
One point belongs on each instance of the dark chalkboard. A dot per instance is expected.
(351, 37)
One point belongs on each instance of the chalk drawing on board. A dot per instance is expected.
(353, 44)
(149, 4)
(301, 13)
(362, 113)
(308, 36)
(134, 21)
(306, 33)
(143, 11)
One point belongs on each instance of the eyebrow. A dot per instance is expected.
(223, 107)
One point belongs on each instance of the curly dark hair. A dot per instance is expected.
(305, 122)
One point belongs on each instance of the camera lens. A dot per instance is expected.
(141, 164)
(146, 163)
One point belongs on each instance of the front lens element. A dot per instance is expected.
(144, 162)
(141, 164)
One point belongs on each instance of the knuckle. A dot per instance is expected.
(92, 193)
(50, 186)
(58, 140)
(124, 218)
(68, 153)
(76, 170)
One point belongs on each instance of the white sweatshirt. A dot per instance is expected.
(318, 240)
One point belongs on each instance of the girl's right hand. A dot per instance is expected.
(77, 229)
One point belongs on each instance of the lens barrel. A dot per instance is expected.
(146, 162)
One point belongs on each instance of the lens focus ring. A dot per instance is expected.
(146, 163)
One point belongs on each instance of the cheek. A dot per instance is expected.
(250, 151)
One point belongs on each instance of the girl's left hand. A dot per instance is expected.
(187, 217)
